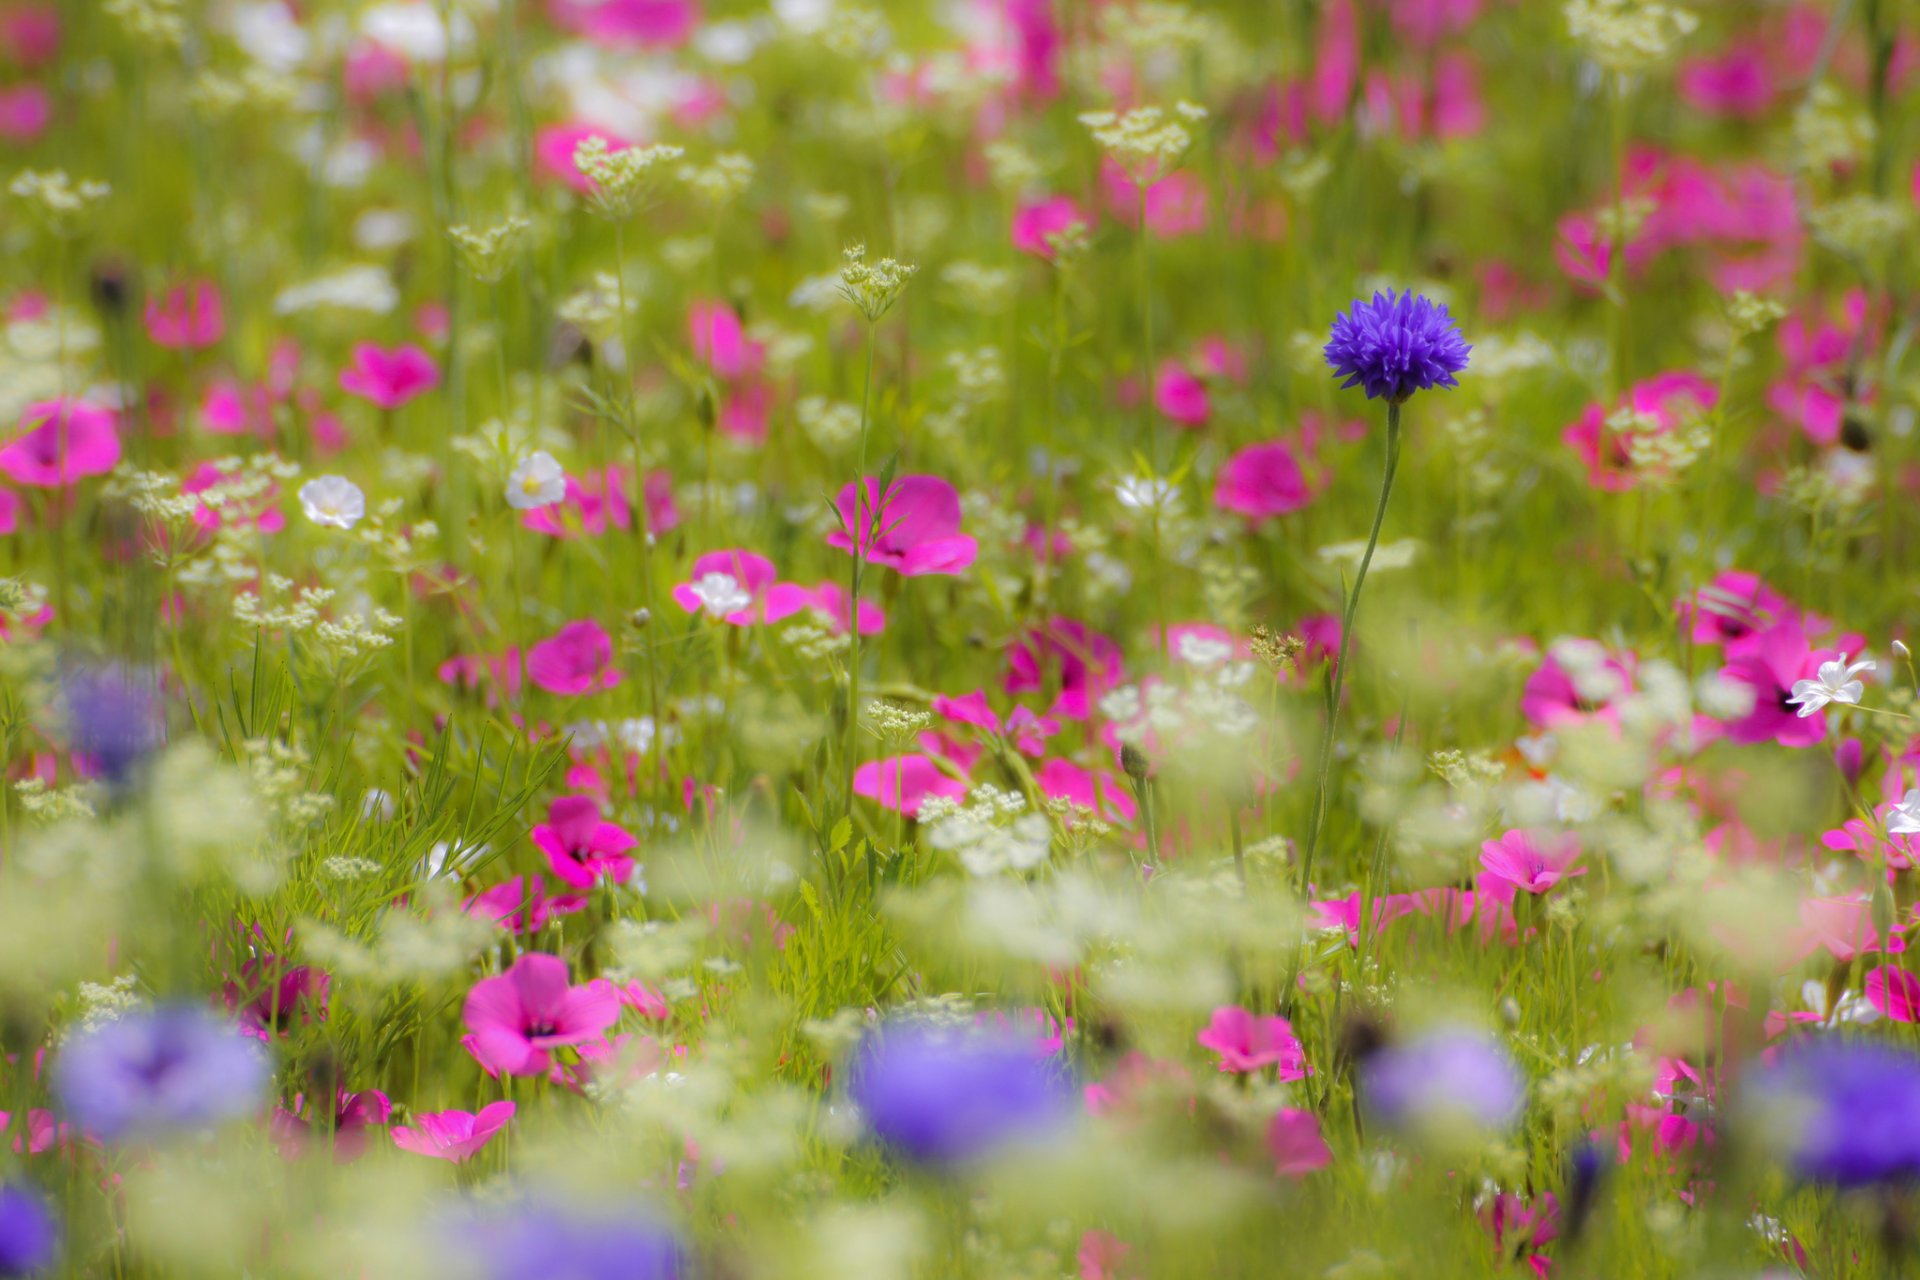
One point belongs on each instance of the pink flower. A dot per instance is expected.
(718, 337)
(1086, 665)
(520, 1015)
(353, 1115)
(1262, 481)
(554, 146)
(1582, 252)
(268, 997)
(829, 599)
(1667, 400)
(389, 378)
(754, 577)
(1294, 1142)
(576, 659)
(60, 442)
(1733, 605)
(25, 112)
(1101, 792)
(1736, 82)
(598, 501)
(189, 316)
(1555, 695)
(580, 846)
(1894, 992)
(1180, 396)
(1246, 1042)
(30, 34)
(628, 24)
(1769, 662)
(521, 905)
(916, 529)
(1037, 223)
(1532, 861)
(452, 1135)
(1102, 1255)
(903, 782)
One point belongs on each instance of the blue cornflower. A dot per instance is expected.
(1396, 345)
(176, 1067)
(28, 1236)
(1840, 1112)
(114, 716)
(540, 1237)
(942, 1097)
(1443, 1080)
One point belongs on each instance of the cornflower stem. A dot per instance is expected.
(1345, 658)
(859, 530)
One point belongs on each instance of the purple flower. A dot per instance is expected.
(1443, 1079)
(28, 1237)
(1840, 1112)
(1396, 345)
(114, 717)
(539, 1238)
(942, 1097)
(177, 1067)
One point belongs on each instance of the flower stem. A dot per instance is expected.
(1345, 655)
(858, 528)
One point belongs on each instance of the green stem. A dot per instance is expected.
(1345, 656)
(859, 529)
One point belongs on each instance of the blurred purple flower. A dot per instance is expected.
(29, 1237)
(1396, 345)
(176, 1067)
(114, 716)
(541, 1238)
(942, 1097)
(1841, 1112)
(1447, 1075)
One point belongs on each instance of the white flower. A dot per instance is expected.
(1138, 493)
(333, 500)
(538, 481)
(1835, 683)
(1904, 818)
(720, 594)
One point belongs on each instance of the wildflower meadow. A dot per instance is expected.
(1002, 639)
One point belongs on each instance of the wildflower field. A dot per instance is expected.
(1005, 639)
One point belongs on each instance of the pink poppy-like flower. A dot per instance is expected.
(1037, 223)
(581, 847)
(829, 600)
(903, 782)
(916, 529)
(1732, 606)
(1769, 662)
(25, 112)
(1028, 731)
(521, 905)
(576, 659)
(1180, 396)
(1894, 992)
(452, 1135)
(530, 1009)
(555, 145)
(1261, 482)
(1844, 927)
(1532, 861)
(1667, 400)
(1103, 1256)
(1294, 1142)
(1087, 666)
(30, 34)
(597, 501)
(1102, 792)
(1582, 251)
(1735, 82)
(43, 1132)
(353, 1115)
(718, 337)
(269, 998)
(389, 378)
(10, 508)
(743, 584)
(187, 316)
(257, 509)
(1560, 693)
(60, 442)
(1176, 204)
(1249, 1042)
(628, 24)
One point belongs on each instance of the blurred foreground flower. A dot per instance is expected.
(1442, 1083)
(1846, 1113)
(176, 1067)
(28, 1236)
(545, 1239)
(941, 1097)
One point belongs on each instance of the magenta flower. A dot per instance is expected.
(353, 1115)
(1086, 665)
(904, 782)
(389, 378)
(1180, 395)
(829, 599)
(1246, 1042)
(1563, 692)
(1894, 992)
(521, 905)
(269, 998)
(916, 529)
(1037, 224)
(1665, 401)
(1294, 1142)
(1844, 927)
(598, 502)
(520, 1015)
(1532, 861)
(1769, 662)
(580, 846)
(576, 659)
(452, 1135)
(1262, 481)
(25, 112)
(60, 442)
(740, 585)
(720, 339)
(1732, 606)
(628, 24)
(187, 316)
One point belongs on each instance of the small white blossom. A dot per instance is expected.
(1904, 818)
(538, 481)
(334, 501)
(720, 594)
(1834, 683)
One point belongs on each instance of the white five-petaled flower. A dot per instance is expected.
(333, 500)
(537, 481)
(1834, 683)
(1904, 818)
(720, 594)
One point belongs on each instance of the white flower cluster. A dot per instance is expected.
(993, 832)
